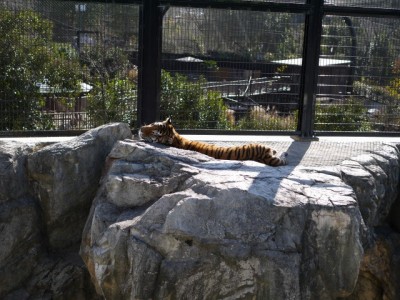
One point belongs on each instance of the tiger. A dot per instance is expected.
(164, 133)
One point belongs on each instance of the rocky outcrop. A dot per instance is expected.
(19, 218)
(375, 180)
(380, 268)
(168, 223)
(65, 179)
(45, 196)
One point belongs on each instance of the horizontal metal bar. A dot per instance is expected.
(268, 6)
(358, 133)
(241, 5)
(235, 132)
(234, 5)
(55, 133)
(41, 133)
(286, 133)
(361, 11)
(138, 2)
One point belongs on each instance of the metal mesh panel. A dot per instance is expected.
(358, 87)
(67, 65)
(225, 69)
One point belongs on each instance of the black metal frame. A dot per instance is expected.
(151, 15)
(312, 40)
(314, 11)
(149, 62)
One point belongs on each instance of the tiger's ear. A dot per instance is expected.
(168, 121)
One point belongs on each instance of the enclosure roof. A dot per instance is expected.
(45, 88)
(189, 59)
(323, 62)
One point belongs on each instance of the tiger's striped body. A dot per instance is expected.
(165, 133)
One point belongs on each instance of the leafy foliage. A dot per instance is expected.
(29, 54)
(23, 53)
(189, 105)
(26, 59)
(192, 107)
(351, 115)
(259, 118)
(113, 98)
(233, 34)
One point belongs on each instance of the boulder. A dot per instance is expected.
(58, 277)
(65, 178)
(45, 196)
(167, 223)
(19, 218)
(380, 268)
(375, 179)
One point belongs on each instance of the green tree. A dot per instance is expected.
(28, 56)
(348, 116)
(212, 111)
(234, 34)
(113, 98)
(189, 105)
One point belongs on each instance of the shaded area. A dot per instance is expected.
(318, 153)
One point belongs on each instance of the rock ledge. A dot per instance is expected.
(167, 223)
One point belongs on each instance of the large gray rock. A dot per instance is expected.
(19, 218)
(13, 182)
(380, 268)
(65, 178)
(45, 196)
(375, 179)
(168, 223)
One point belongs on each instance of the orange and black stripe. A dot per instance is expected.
(166, 134)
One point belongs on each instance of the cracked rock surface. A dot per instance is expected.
(164, 223)
(174, 224)
(45, 195)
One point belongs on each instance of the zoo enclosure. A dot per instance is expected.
(288, 67)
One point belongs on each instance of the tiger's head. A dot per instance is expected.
(159, 132)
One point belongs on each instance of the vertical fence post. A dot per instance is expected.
(149, 81)
(309, 71)
(353, 53)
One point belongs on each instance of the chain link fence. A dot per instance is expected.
(363, 94)
(68, 66)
